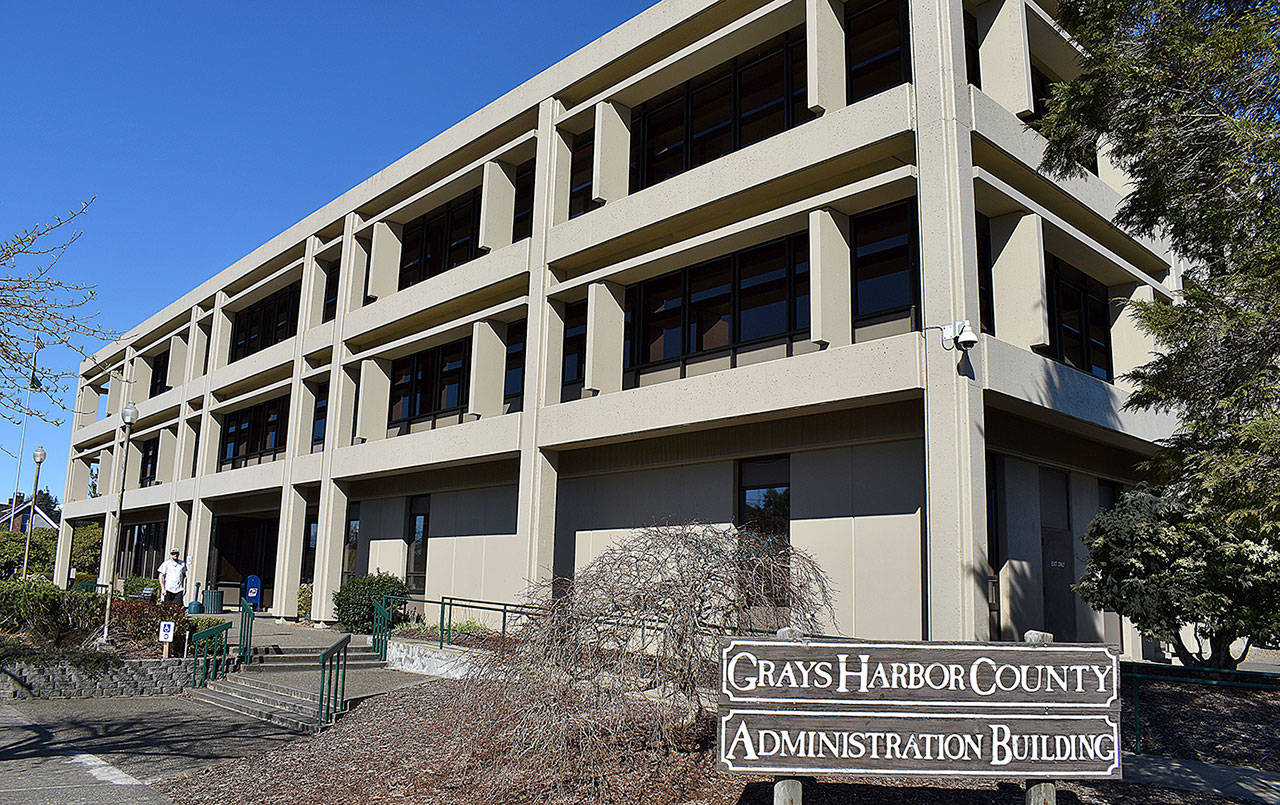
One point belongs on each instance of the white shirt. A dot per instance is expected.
(174, 575)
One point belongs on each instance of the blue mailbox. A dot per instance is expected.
(253, 591)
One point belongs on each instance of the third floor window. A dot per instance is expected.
(430, 384)
(254, 435)
(266, 322)
(1079, 319)
(444, 238)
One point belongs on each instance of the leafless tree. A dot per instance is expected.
(625, 656)
(40, 311)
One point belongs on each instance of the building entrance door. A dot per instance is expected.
(244, 546)
(1057, 556)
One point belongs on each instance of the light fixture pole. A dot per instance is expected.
(128, 415)
(38, 457)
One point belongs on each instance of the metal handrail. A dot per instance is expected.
(333, 682)
(246, 629)
(209, 654)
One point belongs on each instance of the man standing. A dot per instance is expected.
(173, 578)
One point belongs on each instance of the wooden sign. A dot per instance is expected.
(969, 709)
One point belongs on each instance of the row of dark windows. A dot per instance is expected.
(430, 384)
(255, 433)
(443, 238)
(266, 322)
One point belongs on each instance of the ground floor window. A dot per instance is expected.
(419, 510)
(764, 519)
(351, 541)
(307, 573)
(141, 549)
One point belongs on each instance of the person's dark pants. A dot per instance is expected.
(172, 598)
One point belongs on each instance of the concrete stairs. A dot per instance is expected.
(251, 691)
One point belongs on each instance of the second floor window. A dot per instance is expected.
(522, 225)
(580, 174)
(877, 39)
(430, 384)
(265, 323)
(743, 101)
(513, 382)
(320, 417)
(150, 452)
(443, 239)
(573, 370)
(329, 306)
(1079, 320)
(253, 435)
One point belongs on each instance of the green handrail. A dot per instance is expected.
(381, 630)
(333, 682)
(1252, 680)
(246, 630)
(209, 654)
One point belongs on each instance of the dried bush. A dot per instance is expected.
(625, 655)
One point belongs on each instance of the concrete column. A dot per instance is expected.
(497, 206)
(115, 391)
(133, 467)
(375, 395)
(1018, 280)
(62, 555)
(1004, 54)
(177, 361)
(199, 549)
(384, 259)
(955, 451)
(1130, 346)
(185, 449)
(606, 337)
(293, 528)
(488, 369)
(355, 264)
(830, 279)
(535, 525)
(198, 353)
(331, 537)
(207, 445)
(611, 156)
(106, 471)
(825, 54)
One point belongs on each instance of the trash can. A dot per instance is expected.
(213, 602)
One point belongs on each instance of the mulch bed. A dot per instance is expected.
(1235, 726)
(388, 749)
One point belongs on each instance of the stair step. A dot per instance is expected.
(273, 715)
(303, 708)
(306, 665)
(314, 651)
(263, 683)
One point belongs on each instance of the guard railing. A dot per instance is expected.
(333, 682)
(246, 630)
(1184, 675)
(210, 654)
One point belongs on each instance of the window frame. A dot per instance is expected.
(1060, 274)
(267, 322)
(442, 216)
(247, 433)
(422, 388)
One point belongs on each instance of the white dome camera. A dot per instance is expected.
(961, 334)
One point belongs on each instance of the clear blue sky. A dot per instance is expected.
(205, 129)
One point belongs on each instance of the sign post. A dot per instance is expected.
(1002, 710)
(166, 636)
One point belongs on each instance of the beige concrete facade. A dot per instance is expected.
(931, 481)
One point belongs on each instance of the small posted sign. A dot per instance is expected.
(166, 635)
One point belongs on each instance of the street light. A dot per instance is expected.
(38, 457)
(128, 415)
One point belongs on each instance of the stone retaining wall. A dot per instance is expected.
(426, 658)
(20, 680)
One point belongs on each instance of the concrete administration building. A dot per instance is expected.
(707, 267)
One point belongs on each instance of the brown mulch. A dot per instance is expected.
(1235, 726)
(388, 749)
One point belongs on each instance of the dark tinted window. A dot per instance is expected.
(513, 384)
(575, 350)
(885, 270)
(1079, 320)
(986, 280)
(254, 434)
(876, 36)
(159, 374)
(430, 383)
(320, 416)
(580, 169)
(973, 66)
(265, 323)
(443, 239)
(523, 223)
(150, 452)
(743, 101)
(330, 306)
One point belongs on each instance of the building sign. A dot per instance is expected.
(999, 710)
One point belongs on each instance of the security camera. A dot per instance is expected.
(962, 334)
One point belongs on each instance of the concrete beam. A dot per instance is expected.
(830, 278)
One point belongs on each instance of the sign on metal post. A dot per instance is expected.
(968, 709)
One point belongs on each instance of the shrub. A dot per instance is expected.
(198, 623)
(139, 622)
(304, 601)
(37, 607)
(354, 602)
(135, 585)
(90, 661)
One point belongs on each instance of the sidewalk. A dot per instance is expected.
(1244, 784)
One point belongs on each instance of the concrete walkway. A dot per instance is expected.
(1244, 784)
(36, 769)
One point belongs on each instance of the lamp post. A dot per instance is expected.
(38, 457)
(128, 415)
